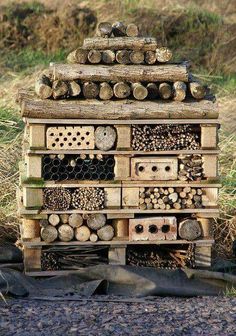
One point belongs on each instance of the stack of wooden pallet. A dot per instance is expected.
(120, 150)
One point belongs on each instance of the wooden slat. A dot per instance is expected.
(119, 122)
(118, 242)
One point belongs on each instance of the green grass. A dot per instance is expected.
(230, 292)
(28, 58)
(10, 124)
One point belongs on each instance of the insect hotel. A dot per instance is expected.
(120, 159)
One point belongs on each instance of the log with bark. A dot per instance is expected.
(122, 56)
(43, 86)
(90, 90)
(59, 89)
(179, 91)
(139, 91)
(108, 56)
(189, 229)
(94, 56)
(79, 55)
(105, 91)
(104, 29)
(33, 107)
(132, 73)
(165, 90)
(121, 90)
(123, 42)
(136, 57)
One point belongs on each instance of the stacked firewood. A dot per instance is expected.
(65, 227)
(170, 198)
(190, 167)
(83, 198)
(161, 257)
(164, 137)
(72, 257)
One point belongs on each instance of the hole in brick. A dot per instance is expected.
(51, 134)
(61, 144)
(139, 228)
(152, 228)
(65, 139)
(87, 133)
(79, 143)
(165, 228)
(87, 143)
(69, 133)
(74, 139)
(154, 168)
(57, 139)
(167, 168)
(70, 144)
(53, 145)
(78, 133)
(60, 134)
(82, 138)
(141, 168)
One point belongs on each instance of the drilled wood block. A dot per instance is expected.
(149, 168)
(70, 137)
(153, 228)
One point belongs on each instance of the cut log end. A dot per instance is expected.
(132, 30)
(82, 233)
(190, 229)
(106, 233)
(163, 54)
(104, 29)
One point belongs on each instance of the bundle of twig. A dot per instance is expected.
(56, 199)
(164, 137)
(88, 198)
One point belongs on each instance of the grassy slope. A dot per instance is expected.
(18, 67)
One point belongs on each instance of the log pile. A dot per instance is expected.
(69, 227)
(164, 137)
(170, 198)
(190, 167)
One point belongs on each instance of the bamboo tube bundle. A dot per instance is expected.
(56, 199)
(73, 167)
(170, 198)
(164, 137)
(88, 198)
(190, 167)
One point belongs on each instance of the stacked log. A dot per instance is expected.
(65, 227)
(164, 137)
(190, 167)
(170, 198)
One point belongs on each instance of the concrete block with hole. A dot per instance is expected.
(153, 228)
(151, 168)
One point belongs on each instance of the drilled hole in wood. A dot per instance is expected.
(165, 228)
(167, 168)
(154, 168)
(152, 228)
(139, 228)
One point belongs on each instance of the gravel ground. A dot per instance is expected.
(158, 316)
